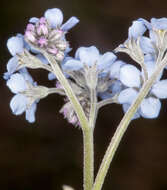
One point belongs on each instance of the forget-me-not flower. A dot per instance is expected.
(131, 77)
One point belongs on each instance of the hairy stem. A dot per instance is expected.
(86, 129)
(68, 90)
(88, 159)
(93, 108)
(122, 127)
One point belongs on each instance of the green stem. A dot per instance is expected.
(88, 159)
(69, 92)
(108, 157)
(56, 91)
(93, 108)
(86, 129)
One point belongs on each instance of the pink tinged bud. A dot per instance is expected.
(73, 120)
(30, 36)
(60, 56)
(58, 85)
(53, 50)
(30, 27)
(42, 29)
(42, 20)
(42, 42)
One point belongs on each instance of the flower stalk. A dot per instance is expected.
(122, 127)
(86, 129)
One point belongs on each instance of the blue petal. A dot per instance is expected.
(33, 20)
(159, 89)
(116, 87)
(54, 17)
(88, 55)
(18, 104)
(115, 69)
(130, 76)
(137, 29)
(51, 76)
(27, 77)
(146, 23)
(72, 64)
(146, 45)
(70, 23)
(106, 61)
(17, 83)
(15, 45)
(30, 113)
(126, 107)
(160, 24)
(127, 96)
(11, 67)
(150, 107)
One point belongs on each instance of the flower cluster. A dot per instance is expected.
(48, 34)
(88, 71)
(149, 52)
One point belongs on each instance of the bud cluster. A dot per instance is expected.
(42, 35)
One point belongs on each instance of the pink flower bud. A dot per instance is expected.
(30, 36)
(30, 27)
(42, 42)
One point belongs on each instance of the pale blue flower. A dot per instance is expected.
(137, 29)
(150, 106)
(18, 84)
(55, 17)
(15, 45)
(90, 56)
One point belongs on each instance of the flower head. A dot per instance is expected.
(48, 32)
(131, 77)
(27, 94)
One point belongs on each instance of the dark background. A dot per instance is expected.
(48, 154)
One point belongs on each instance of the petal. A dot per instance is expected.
(18, 104)
(125, 109)
(33, 20)
(26, 75)
(17, 83)
(72, 64)
(130, 75)
(127, 96)
(51, 76)
(116, 87)
(70, 23)
(15, 45)
(151, 66)
(30, 113)
(106, 61)
(150, 107)
(11, 67)
(159, 89)
(54, 17)
(146, 45)
(146, 23)
(115, 69)
(160, 24)
(88, 55)
(137, 29)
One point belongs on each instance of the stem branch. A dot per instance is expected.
(122, 127)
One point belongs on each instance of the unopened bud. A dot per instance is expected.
(60, 56)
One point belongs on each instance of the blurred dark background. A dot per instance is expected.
(48, 154)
